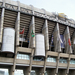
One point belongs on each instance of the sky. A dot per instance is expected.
(59, 6)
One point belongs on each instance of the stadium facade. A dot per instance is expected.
(35, 41)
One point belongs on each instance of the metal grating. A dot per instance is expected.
(25, 21)
(62, 28)
(9, 18)
(51, 26)
(39, 22)
(71, 31)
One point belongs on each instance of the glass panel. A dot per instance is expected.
(51, 59)
(4, 71)
(38, 58)
(23, 56)
(19, 72)
(62, 60)
(72, 61)
(33, 72)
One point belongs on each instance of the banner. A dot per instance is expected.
(63, 42)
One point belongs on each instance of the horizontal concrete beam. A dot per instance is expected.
(52, 53)
(22, 49)
(64, 55)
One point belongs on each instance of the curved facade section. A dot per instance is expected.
(40, 45)
(8, 40)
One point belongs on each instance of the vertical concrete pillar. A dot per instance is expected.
(17, 25)
(31, 43)
(45, 32)
(1, 21)
(67, 37)
(57, 44)
(57, 65)
(17, 28)
(45, 62)
(32, 29)
(68, 64)
(57, 39)
(14, 63)
(11, 72)
(31, 60)
(12, 69)
(73, 39)
(67, 46)
(27, 71)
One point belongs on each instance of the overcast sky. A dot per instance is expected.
(61, 6)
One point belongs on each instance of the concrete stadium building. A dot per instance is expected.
(31, 43)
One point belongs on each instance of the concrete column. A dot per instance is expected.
(31, 60)
(14, 62)
(11, 72)
(17, 25)
(27, 71)
(1, 21)
(67, 73)
(32, 28)
(57, 65)
(67, 37)
(67, 47)
(12, 69)
(57, 40)
(45, 62)
(73, 39)
(45, 32)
